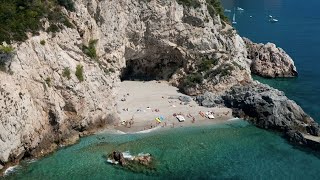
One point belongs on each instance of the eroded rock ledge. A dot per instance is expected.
(266, 108)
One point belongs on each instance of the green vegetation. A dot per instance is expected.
(43, 42)
(90, 50)
(18, 17)
(207, 64)
(48, 81)
(190, 3)
(79, 72)
(192, 80)
(222, 70)
(215, 8)
(66, 73)
(6, 49)
(68, 4)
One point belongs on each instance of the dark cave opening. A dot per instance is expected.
(154, 66)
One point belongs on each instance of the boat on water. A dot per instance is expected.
(273, 20)
(240, 9)
(227, 10)
(234, 19)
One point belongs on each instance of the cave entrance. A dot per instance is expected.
(154, 66)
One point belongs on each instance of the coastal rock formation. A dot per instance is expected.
(269, 61)
(53, 91)
(134, 163)
(265, 107)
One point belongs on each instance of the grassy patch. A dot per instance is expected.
(90, 50)
(66, 73)
(6, 49)
(79, 72)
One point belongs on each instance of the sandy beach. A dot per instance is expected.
(139, 103)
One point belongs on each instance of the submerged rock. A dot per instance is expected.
(295, 137)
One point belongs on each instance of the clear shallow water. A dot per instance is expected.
(297, 32)
(235, 150)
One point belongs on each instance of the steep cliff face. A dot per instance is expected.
(53, 92)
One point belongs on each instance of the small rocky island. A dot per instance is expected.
(139, 163)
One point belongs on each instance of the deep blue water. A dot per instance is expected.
(297, 32)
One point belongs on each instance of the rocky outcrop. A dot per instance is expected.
(138, 163)
(265, 107)
(270, 61)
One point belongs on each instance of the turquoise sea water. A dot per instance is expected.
(234, 150)
(231, 151)
(297, 32)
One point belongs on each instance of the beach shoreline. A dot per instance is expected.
(144, 106)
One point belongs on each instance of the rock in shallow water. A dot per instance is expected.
(138, 163)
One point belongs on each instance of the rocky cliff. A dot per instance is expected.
(56, 89)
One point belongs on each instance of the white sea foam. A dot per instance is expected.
(148, 130)
(127, 155)
(233, 119)
(10, 170)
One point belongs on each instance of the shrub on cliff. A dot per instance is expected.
(192, 80)
(68, 4)
(90, 50)
(79, 72)
(215, 8)
(66, 73)
(6, 49)
(189, 3)
(207, 64)
(18, 17)
(6, 53)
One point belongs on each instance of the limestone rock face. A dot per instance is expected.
(270, 61)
